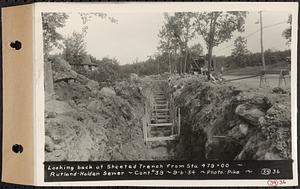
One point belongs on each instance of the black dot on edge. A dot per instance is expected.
(17, 148)
(16, 45)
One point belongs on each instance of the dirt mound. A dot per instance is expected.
(86, 123)
(225, 122)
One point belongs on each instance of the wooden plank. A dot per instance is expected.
(160, 98)
(162, 121)
(161, 105)
(161, 101)
(161, 116)
(162, 110)
(154, 112)
(160, 124)
(172, 137)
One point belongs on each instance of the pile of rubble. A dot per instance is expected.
(85, 121)
(226, 122)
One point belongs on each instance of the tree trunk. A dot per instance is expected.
(211, 43)
(185, 60)
(209, 50)
(170, 67)
(177, 59)
(180, 64)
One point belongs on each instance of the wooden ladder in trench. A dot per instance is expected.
(163, 121)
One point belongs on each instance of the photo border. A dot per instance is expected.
(38, 82)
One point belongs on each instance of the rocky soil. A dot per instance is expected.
(85, 121)
(88, 121)
(225, 122)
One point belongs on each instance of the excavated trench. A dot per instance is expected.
(223, 122)
(88, 122)
(192, 143)
(160, 134)
(226, 122)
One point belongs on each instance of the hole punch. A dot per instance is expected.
(16, 45)
(17, 148)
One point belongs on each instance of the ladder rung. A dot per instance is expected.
(161, 116)
(161, 121)
(172, 137)
(162, 110)
(160, 98)
(161, 113)
(160, 101)
(161, 105)
(160, 124)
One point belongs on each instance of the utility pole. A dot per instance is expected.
(261, 42)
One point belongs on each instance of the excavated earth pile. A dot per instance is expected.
(225, 122)
(87, 122)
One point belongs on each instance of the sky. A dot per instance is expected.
(135, 36)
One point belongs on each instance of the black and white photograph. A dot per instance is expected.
(167, 86)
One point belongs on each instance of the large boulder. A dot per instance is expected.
(92, 85)
(279, 114)
(64, 75)
(81, 146)
(134, 77)
(71, 139)
(62, 70)
(60, 64)
(107, 91)
(49, 144)
(276, 126)
(58, 107)
(94, 105)
(249, 113)
(82, 79)
(279, 90)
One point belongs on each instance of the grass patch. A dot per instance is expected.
(254, 70)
